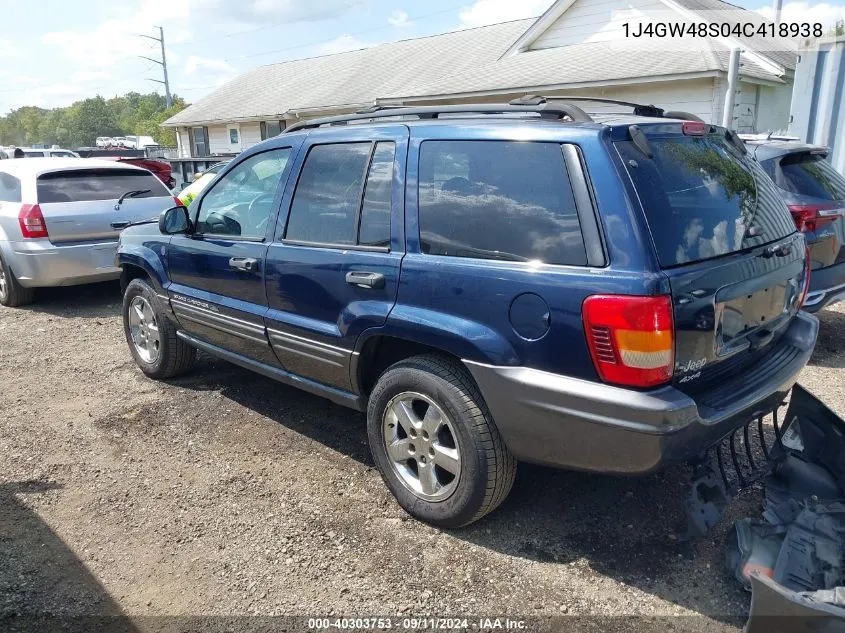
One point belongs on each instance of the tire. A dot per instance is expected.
(163, 355)
(12, 294)
(486, 469)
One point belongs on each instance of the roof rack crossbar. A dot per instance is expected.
(556, 111)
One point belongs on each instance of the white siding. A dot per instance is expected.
(183, 142)
(250, 134)
(218, 139)
(774, 109)
(594, 21)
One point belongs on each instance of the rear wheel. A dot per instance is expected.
(435, 443)
(151, 335)
(12, 294)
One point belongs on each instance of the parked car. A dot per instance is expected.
(815, 194)
(610, 294)
(119, 141)
(201, 181)
(52, 152)
(160, 168)
(60, 219)
(104, 141)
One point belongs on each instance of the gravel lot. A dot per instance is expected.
(225, 493)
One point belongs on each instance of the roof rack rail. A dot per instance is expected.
(555, 110)
(639, 108)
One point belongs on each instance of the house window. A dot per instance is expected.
(199, 141)
(234, 136)
(269, 129)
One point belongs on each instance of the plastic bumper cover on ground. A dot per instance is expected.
(559, 421)
(40, 263)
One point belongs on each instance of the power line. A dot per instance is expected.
(162, 63)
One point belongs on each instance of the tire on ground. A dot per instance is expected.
(15, 294)
(487, 467)
(175, 356)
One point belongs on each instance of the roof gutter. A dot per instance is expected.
(296, 114)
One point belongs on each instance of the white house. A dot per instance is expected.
(577, 47)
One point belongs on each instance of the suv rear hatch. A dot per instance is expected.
(84, 205)
(815, 194)
(726, 241)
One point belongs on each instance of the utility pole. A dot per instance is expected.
(777, 5)
(162, 63)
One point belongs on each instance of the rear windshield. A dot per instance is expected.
(703, 199)
(808, 175)
(81, 185)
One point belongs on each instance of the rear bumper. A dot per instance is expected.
(571, 423)
(40, 263)
(827, 286)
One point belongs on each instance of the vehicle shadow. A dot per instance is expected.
(98, 300)
(621, 528)
(337, 427)
(830, 346)
(44, 586)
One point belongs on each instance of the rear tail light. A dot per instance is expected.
(809, 218)
(31, 221)
(805, 285)
(631, 338)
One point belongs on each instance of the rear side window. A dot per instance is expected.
(809, 175)
(81, 185)
(344, 195)
(29, 154)
(701, 198)
(10, 188)
(498, 200)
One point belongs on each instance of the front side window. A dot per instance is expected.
(241, 202)
(498, 200)
(326, 200)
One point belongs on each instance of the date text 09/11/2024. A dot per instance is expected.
(417, 624)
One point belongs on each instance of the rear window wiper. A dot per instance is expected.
(132, 194)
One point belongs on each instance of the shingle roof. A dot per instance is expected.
(466, 61)
(582, 63)
(352, 78)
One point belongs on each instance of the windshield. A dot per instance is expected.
(703, 199)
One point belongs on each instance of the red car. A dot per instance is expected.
(160, 168)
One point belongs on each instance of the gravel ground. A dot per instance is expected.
(225, 493)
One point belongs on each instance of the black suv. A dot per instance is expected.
(489, 284)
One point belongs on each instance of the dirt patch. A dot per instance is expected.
(226, 493)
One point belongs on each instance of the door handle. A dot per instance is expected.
(120, 225)
(365, 280)
(244, 263)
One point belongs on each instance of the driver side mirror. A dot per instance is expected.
(174, 221)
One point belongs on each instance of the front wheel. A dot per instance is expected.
(151, 336)
(435, 443)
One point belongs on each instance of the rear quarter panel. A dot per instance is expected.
(467, 305)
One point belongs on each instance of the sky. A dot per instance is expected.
(54, 52)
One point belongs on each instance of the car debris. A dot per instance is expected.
(792, 558)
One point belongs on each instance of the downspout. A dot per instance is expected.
(730, 93)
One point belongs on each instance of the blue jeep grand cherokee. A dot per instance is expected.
(490, 284)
